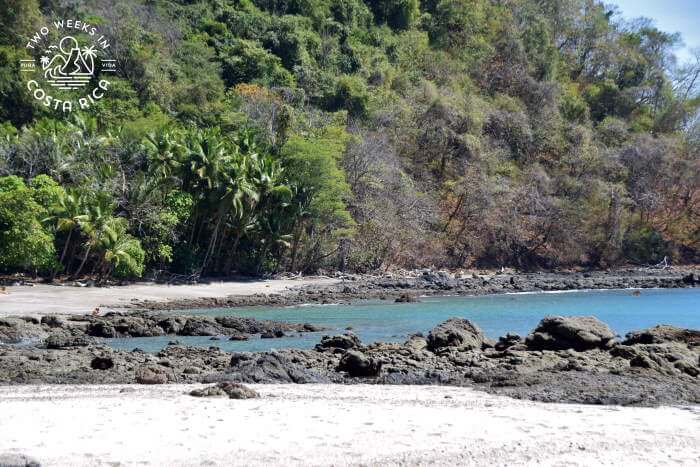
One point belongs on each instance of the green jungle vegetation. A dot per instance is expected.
(260, 136)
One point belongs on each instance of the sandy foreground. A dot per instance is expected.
(340, 425)
(42, 299)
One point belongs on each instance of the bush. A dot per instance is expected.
(645, 246)
(351, 95)
(24, 243)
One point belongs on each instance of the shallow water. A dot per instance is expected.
(495, 314)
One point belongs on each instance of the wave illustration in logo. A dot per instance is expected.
(70, 67)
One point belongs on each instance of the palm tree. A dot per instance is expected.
(165, 152)
(99, 214)
(117, 247)
(68, 214)
(207, 155)
(231, 186)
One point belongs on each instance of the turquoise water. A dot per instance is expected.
(495, 314)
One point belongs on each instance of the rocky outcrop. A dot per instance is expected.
(151, 375)
(508, 341)
(289, 366)
(343, 341)
(67, 339)
(102, 363)
(71, 331)
(201, 327)
(238, 391)
(455, 332)
(416, 342)
(391, 286)
(356, 363)
(574, 332)
(664, 368)
(15, 330)
(663, 333)
(232, 390)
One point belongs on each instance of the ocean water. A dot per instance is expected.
(495, 314)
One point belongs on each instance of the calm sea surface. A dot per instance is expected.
(495, 314)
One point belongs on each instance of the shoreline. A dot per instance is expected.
(44, 299)
(409, 287)
(47, 299)
(575, 360)
(563, 359)
(331, 425)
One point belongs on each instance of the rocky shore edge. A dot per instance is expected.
(57, 331)
(564, 359)
(409, 285)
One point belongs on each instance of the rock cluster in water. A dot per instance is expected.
(570, 359)
(79, 331)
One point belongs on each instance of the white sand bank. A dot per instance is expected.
(43, 299)
(340, 425)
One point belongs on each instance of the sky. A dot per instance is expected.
(670, 16)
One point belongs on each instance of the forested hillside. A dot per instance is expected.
(259, 136)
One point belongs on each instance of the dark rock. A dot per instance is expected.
(267, 335)
(209, 391)
(290, 366)
(343, 341)
(200, 327)
(238, 357)
(135, 326)
(151, 375)
(52, 321)
(101, 329)
(102, 363)
(308, 327)
(641, 361)
(455, 332)
(575, 332)
(663, 333)
(690, 279)
(687, 368)
(16, 330)
(406, 298)
(625, 351)
(358, 364)
(172, 325)
(507, 341)
(237, 390)
(67, 339)
(30, 319)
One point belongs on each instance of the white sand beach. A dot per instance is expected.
(339, 425)
(41, 299)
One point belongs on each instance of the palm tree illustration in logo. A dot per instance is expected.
(70, 66)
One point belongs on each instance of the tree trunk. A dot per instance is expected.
(63, 254)
(212, 241)
(295, 245)
(82, 264)
(65, 247)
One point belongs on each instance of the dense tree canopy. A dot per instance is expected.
(254, 136)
